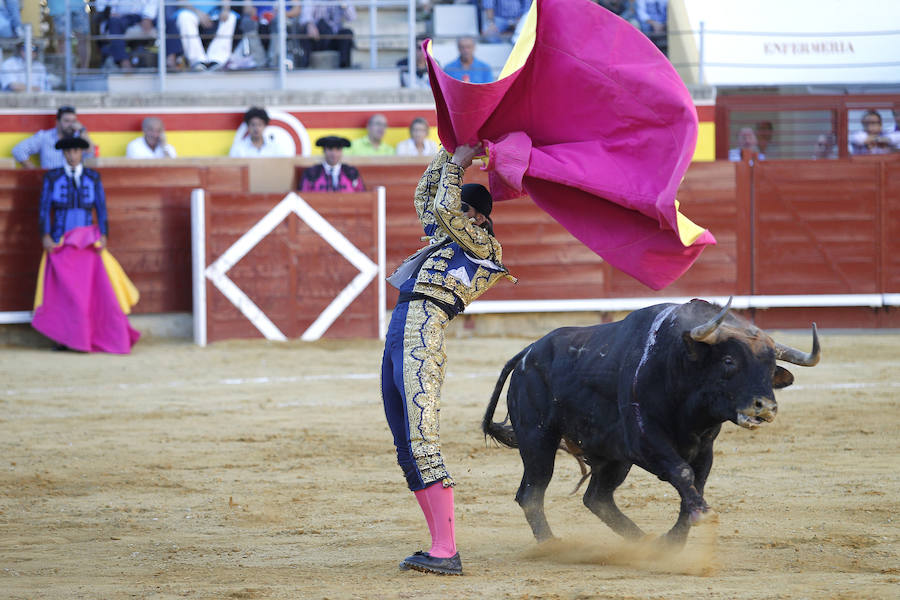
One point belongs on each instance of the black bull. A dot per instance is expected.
(651, 390)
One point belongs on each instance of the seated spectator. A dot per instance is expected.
(765, 133)
(13, 77)
(203, 18)
(746, 141)
(324, 26)
(10, 19)
(872, 139)
(259, 26)
(501, 17)
(255, 141)
(826, 147)
(331, 175)
(420, 79)
(652, 16)
(43, 143)
(122, 15)
(622, 8)
(79, 25)
(895, 134)
(372, 144)
(418, 143)
(466, 67)
(152, 144)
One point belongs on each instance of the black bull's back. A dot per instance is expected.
(652, 390)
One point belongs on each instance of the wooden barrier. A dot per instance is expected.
(799, 227)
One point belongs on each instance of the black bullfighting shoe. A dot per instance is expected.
(422, 561)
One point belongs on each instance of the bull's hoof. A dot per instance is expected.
(424, 562)
(701, 515)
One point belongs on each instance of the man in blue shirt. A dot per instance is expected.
(501, 17)
(43, 142)
(468, 68)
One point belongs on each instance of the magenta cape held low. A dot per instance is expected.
(592, 122)
(82, 296)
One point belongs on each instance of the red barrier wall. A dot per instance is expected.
(800, 227)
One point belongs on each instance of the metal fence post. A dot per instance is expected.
(701, 77)
(282, 45)
(161, 44)
(373, 30)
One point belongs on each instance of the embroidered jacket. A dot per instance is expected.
(315, 179)
(470, 263)
(65, 206)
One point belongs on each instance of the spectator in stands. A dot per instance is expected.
(652, 16)
(10, 19)
(259, 26)
(203, 18)
(331, 175)
(372, 144)
(765, 132)
(622, 8)
(895, 134)
(43, 142)
(256, 142)
(122, 15)
(418, 143)
(826, 147)
(872, 139)
(152, 144)
(13, 77)
(324, 26)
(466, 67)
(420, 79)
(79, 25)
(501, 17)
(746, 141)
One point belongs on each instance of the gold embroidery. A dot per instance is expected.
(424, 365)
(427, 188)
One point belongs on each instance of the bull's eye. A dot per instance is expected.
(730, 365)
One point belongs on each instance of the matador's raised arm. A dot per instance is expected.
(426, 191)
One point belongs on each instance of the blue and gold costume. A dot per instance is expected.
(464, 263)
(65, 205)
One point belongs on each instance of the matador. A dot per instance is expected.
(461, 261)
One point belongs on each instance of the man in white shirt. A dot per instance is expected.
(256, 142)
(13, 76)
(152, 144)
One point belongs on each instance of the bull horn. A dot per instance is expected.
(792, 355)
(700, 333)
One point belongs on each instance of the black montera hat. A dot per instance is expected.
(478, 197)
(71, 142)
(333, 141)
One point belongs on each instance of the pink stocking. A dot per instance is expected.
(436, 502)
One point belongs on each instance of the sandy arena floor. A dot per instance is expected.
(262, 470)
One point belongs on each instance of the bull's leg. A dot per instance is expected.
(599, 498)
(538, 456)
(701, 465)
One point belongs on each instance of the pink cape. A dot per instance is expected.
(79, 308)
(597, 128)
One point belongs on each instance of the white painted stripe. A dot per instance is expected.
(247, 307)
(198, 264)
(232, 381)
(15, 316)
(628, 304)
(382, 262)
(337, 240)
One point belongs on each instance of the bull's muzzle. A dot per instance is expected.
(760, 409)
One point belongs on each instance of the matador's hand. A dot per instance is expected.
(464, 154)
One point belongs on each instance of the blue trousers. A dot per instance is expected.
(412, 373)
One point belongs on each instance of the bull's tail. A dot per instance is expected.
(502, 432)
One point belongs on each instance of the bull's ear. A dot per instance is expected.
(692, 347)
(782, 378)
